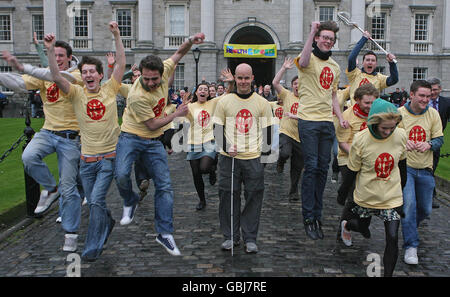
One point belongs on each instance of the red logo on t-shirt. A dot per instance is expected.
(326, 78)
(279, 112)
(95, 109)
(157, 110)
(294, 108)
(417, 134)
(203, 118)
(53, 93)
(364, 81)
(363, 126)
(244, 121)
(384, 165)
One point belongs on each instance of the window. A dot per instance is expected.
(5, 27)
(81, 29)
(421, 32)
(326, 13)
(177, 23)
(178, 82)
(3, 89)
(379, 31)
(124, 20)
(38, 25)
(420, 73)
(380, 69)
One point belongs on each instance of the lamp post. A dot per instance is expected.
(196, 52)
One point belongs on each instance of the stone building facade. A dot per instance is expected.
(417, 32)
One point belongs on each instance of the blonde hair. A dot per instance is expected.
(377, 118)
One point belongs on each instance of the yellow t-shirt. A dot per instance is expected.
(357, 124)
(358, 78)
(97, 115)
(289, 126)
(277, 111)
(376, 161)
(59, 113)
(200, 119)
(124, 90)
(243, 121)
(318, 81)
(143, 105)
(421, 128)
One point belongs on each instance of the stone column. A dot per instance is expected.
(446, 29)
(50, 17)
(358, 15)
(295, 23)
(207, 20)
(145, 30)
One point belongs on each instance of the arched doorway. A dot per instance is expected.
(263, 68)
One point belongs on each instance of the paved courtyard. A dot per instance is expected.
(285, 250)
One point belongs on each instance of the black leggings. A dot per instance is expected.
(391, 233)
(201, 166)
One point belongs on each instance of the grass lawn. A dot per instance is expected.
(12, 184)
(443, 169)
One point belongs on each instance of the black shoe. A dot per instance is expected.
(201, 205)
(293, 197)
(318, 226)
(310, 229)
(212, 178)
(435, 204)
(366, 233)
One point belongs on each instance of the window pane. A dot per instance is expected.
(124, 22)
(379, 26)
(326, 13)
(421, 27)
(81, 24)
(38, 25)
(178, 82)
(420, 73)
(5, 27)
(176, 19)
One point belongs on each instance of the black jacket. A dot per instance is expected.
(444, 110)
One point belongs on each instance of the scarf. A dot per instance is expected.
(319, 54)
(358, 112)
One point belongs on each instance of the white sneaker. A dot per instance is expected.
(45, 200)
(411, 256)
(70, 242)
(347, 242)
(84, 201)
(128, 214)
(168, 243)
(58, 220)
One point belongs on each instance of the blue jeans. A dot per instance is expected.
(67, 150)
(96, 178)
(417, 203)
(154, 158)
(316, 142)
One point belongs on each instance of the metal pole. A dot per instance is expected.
(196, 73)
(32, 188)
(232, 190)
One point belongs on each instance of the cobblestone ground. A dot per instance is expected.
(284, 247)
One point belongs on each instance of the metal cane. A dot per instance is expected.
(343, 16)
(232, 226)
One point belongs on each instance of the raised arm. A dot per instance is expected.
(62, 83)
(111, 59)
(119, 68)
(355, 52)
(40, 50)
(288, 64)
(307, 49)
(186, 46)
